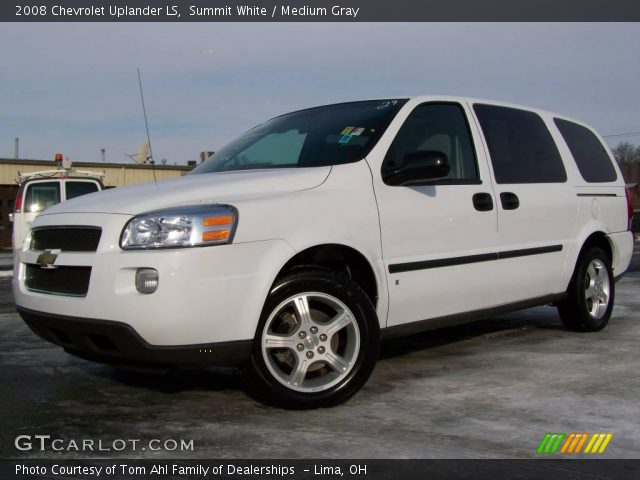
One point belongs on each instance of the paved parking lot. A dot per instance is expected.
(486, 390)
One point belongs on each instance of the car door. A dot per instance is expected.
(537, 211)
(438, 237)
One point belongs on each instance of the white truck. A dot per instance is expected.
(296, 248)
(43, 189)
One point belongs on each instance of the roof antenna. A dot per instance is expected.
(146, 124)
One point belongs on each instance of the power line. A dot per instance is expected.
(630, 134)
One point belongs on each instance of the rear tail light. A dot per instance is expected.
(629, 209)
(17, 207)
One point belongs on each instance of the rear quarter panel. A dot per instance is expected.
(602, 207)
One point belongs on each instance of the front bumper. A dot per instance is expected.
(118, 343)
(206, 295)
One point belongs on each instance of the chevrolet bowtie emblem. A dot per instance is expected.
(47, 259)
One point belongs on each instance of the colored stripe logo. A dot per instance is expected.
(574, 443)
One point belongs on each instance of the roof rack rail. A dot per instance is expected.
(60, 172)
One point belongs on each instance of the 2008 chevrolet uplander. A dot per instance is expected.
(297, 247)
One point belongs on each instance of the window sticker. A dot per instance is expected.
(349, 132)
(386, 104)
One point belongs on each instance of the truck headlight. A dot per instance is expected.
(190, 226)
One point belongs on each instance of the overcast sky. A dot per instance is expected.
(73, 88)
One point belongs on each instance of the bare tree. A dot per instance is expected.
(626, 153)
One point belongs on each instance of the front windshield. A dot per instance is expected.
(316, 137)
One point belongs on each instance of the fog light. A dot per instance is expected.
(147, 280)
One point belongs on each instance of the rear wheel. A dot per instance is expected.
(317, 341)
(591, 293)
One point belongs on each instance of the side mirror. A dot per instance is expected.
(419, 166)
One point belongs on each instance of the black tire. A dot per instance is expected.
(357, 343)
(576, 311)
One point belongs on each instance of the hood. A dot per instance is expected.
(220, 187)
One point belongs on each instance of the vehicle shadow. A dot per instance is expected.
(535, 319)
(175, 380)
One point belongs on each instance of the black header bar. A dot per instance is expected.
(319, 469)
(320, 11)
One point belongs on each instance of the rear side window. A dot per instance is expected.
(77, 189)
(521, 147)
(590, 156)
(41, 196)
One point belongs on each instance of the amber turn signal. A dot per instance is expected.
(221, 220)
(215, 235)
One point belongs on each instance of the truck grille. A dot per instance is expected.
(62, 280)
(66, 239)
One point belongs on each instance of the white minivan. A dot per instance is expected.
(299, 246)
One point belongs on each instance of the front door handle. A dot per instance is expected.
(483, 202)
(509, 200)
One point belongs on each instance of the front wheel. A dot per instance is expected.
(317, 341)
(591, 293)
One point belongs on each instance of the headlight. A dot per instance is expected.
(26, 243)
(191, 226)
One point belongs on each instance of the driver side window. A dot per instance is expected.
(438, 127)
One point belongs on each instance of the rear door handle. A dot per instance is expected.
(483, 202)
(509, 200)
